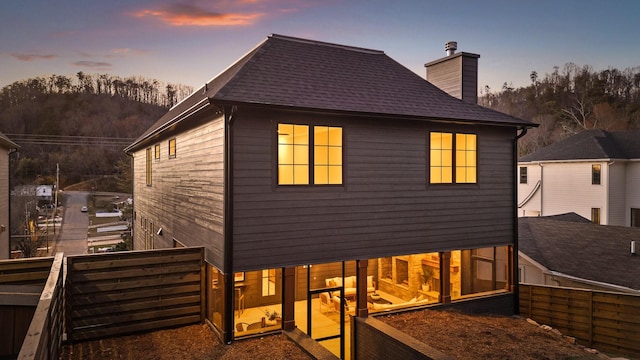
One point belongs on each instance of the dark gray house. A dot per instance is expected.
(325, 179)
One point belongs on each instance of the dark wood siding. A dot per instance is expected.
(470, 79)
(457, 75)
(187, 195)
(447, 75)
(384, 208)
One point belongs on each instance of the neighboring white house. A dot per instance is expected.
(595, 174)
(568, 250)
(6, 147)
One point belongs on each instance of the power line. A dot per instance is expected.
(69, 140)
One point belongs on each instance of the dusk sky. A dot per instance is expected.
(191, 41)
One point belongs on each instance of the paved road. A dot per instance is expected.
(73, 236)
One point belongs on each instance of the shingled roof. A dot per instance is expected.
(591, 145)
(569, 245)
(7, 143)
(289, 72)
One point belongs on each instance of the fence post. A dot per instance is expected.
(203, 287)
(530, 301)
(590, 318)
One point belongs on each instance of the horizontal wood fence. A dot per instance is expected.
(607, 321)
(21, 283)
(31, 271)
(44, 337)
(120, 293)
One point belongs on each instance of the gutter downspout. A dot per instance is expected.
(607, 194)
(228, 223)
(541, 187)
(515, 250)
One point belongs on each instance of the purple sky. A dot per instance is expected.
(191, 41)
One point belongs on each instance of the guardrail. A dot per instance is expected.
(44, 337)
(119, 293)
(21, 284)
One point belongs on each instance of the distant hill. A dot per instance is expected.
(80, 123)
(567, 101)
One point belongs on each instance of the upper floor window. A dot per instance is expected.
(595, 174)
(449, 151)
(172, 148)
(327, 155)
(148, 167)
(157, 152)
(523, 175)
(296, 147)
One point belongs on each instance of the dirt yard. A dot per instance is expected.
(462, 336)
(486, 337)
(195, 342)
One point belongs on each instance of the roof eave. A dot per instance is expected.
(327, 111)
(196, 108)
(561, 161)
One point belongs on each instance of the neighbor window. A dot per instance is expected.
(595, 174)
(635, 217)
(595, 215)
(523, 175)
(172, 148)
(148, 167)
(157, 152)
(443, 162)
(296, 147)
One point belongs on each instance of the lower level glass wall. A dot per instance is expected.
(478, 271)
(257, 301)
(416, 279)
(403, 281)
(215, 296)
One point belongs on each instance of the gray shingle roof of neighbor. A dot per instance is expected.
(290, 72)
(569, 245)
(591, 145)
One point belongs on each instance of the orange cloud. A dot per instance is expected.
(190, 15)
(32, 57)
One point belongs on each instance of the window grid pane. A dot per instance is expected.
(293, 154)
(172, 148)
(328, 155)
(440, 155)
(148, 167)
(466, 155)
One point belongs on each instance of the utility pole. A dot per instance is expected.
(55, 206)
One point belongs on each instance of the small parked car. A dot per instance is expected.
(84, 209)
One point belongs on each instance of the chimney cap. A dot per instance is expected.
(450, 47)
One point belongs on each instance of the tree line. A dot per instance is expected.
(565, 102)
(134, 88)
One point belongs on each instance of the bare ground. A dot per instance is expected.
(194, 342)
(486, 337)
(459, 335)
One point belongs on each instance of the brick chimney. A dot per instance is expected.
(456, 73)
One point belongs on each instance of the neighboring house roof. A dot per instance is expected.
(7, 143)
(569, 245)
(591, 145)
(289, 72)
